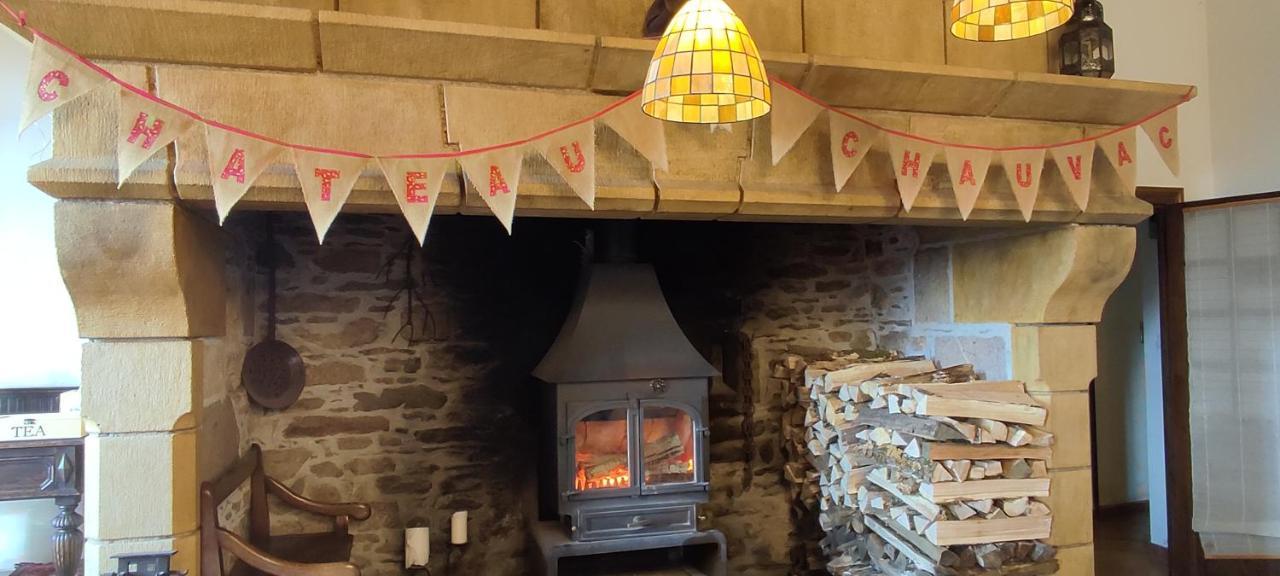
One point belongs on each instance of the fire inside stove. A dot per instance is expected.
(603, 446)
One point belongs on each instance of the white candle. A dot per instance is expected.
(458, 535)
(417, 547)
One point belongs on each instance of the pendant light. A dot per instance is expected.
(1000, 20)
(706, 69)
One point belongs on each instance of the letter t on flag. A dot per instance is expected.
(327, 180)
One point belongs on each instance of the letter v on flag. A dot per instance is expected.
(1075, 164)
(572, 153)
(415, 182)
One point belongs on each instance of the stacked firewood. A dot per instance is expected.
(920, 470)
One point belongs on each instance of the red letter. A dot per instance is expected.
(496, 182)
(149, 134)
(966, 174)
(912, 163)
(412, 186)
(1165, 141)
(235, 166)
(573, 166)
(327, 176)
(1076, 164)
(1024, 182)
(850, 137)
(54, 76)
(1123, 155)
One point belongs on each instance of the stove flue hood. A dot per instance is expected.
(620, 328)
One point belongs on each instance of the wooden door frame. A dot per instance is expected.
(1186, 555)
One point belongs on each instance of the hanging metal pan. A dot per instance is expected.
(273, 373)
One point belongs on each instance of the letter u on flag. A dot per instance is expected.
(911, 161)
(968, 168)
(496, 176)
(415, 182)
(327, 180)
(55, 78)
(572, 153)
(145, 127)
(235, 162)
(1023, 169)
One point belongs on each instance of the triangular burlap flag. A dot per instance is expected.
(790, 117)
(1023, 168)
(327, 180)
(235, 162)
(415, 182)
(968, 168)
(1163, 130)
(1075, 163)
(1121, 149)
(850, 142)
(146, 127)
(645, 134)
(911, 161)
(496, 176)
(572, 153)
(55, 78)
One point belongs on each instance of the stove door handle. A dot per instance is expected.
(637, 523)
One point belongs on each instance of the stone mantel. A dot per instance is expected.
(386, 84)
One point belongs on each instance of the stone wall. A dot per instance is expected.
(420, 429)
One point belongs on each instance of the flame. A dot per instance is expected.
(619, 477)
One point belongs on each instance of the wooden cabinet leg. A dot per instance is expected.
(68, 541)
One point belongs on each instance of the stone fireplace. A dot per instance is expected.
(754, 260)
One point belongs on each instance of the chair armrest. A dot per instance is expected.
(264, 562)
(353, 510)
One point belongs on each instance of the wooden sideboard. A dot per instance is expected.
(39, 469)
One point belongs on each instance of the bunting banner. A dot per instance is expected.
(496, 176)
(911, 162)
(237, 157)
(56, 77)
(850, 142)
(572, 153)
(1075, 163)
(1163, 131)
(145, 127)
(235, 162)
(647, 135)
(327, 180)
(790, 117)
(1120, 149)
(1023, 168)
(415, 182)
(968, 168)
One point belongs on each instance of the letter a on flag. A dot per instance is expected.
(495, 176)
(968, 168)
(572, 153)
(235, 162)
(1121, 149)
(55, 78)
(327, 180)
(911, 160)
(145, 127)
(415, 182)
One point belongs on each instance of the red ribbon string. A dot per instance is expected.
(21, 18)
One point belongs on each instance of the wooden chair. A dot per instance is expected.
(321, 554)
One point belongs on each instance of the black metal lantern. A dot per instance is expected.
(145, 564)
(1087, 47)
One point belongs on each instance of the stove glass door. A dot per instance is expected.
(670, 448)
(602, 456)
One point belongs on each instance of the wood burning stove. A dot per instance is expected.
(629, 395)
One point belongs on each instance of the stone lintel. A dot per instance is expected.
(141, 269)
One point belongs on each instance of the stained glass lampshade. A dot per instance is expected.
(999, 20)
(706, 69)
